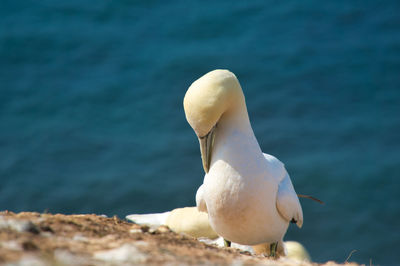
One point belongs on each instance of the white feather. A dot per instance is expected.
(151, 219)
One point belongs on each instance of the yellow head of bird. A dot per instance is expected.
(208, 98)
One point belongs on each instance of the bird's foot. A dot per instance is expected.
(227, 243)
(273, 248)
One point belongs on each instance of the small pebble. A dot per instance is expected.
(46, 228)
(11, 245)
(29, 246)
(135, 231)
(19, 225)
(153, 231)
(245, 252)
(163, 229)
(126, 253)
(145, 228)
(30, 260)
(80, 238)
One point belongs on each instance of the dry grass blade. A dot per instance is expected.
(351, 253)
(310, 197)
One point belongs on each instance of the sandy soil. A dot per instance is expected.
(29, 238)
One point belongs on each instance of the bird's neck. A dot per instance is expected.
(235, 141)
(236, 119)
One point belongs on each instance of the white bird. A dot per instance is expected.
(186, 220)
(247, 194)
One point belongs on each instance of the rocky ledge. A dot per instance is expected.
(30, 238)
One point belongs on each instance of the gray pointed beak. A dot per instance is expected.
(206, 145)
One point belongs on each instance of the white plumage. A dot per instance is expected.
(248, 195)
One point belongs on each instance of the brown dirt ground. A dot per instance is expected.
(57, 239)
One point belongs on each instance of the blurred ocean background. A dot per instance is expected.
(91, 116)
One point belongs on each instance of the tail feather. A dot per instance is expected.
(154, 219)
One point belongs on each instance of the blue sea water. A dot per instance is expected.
(91, 116)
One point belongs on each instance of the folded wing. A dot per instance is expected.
(287, 202)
